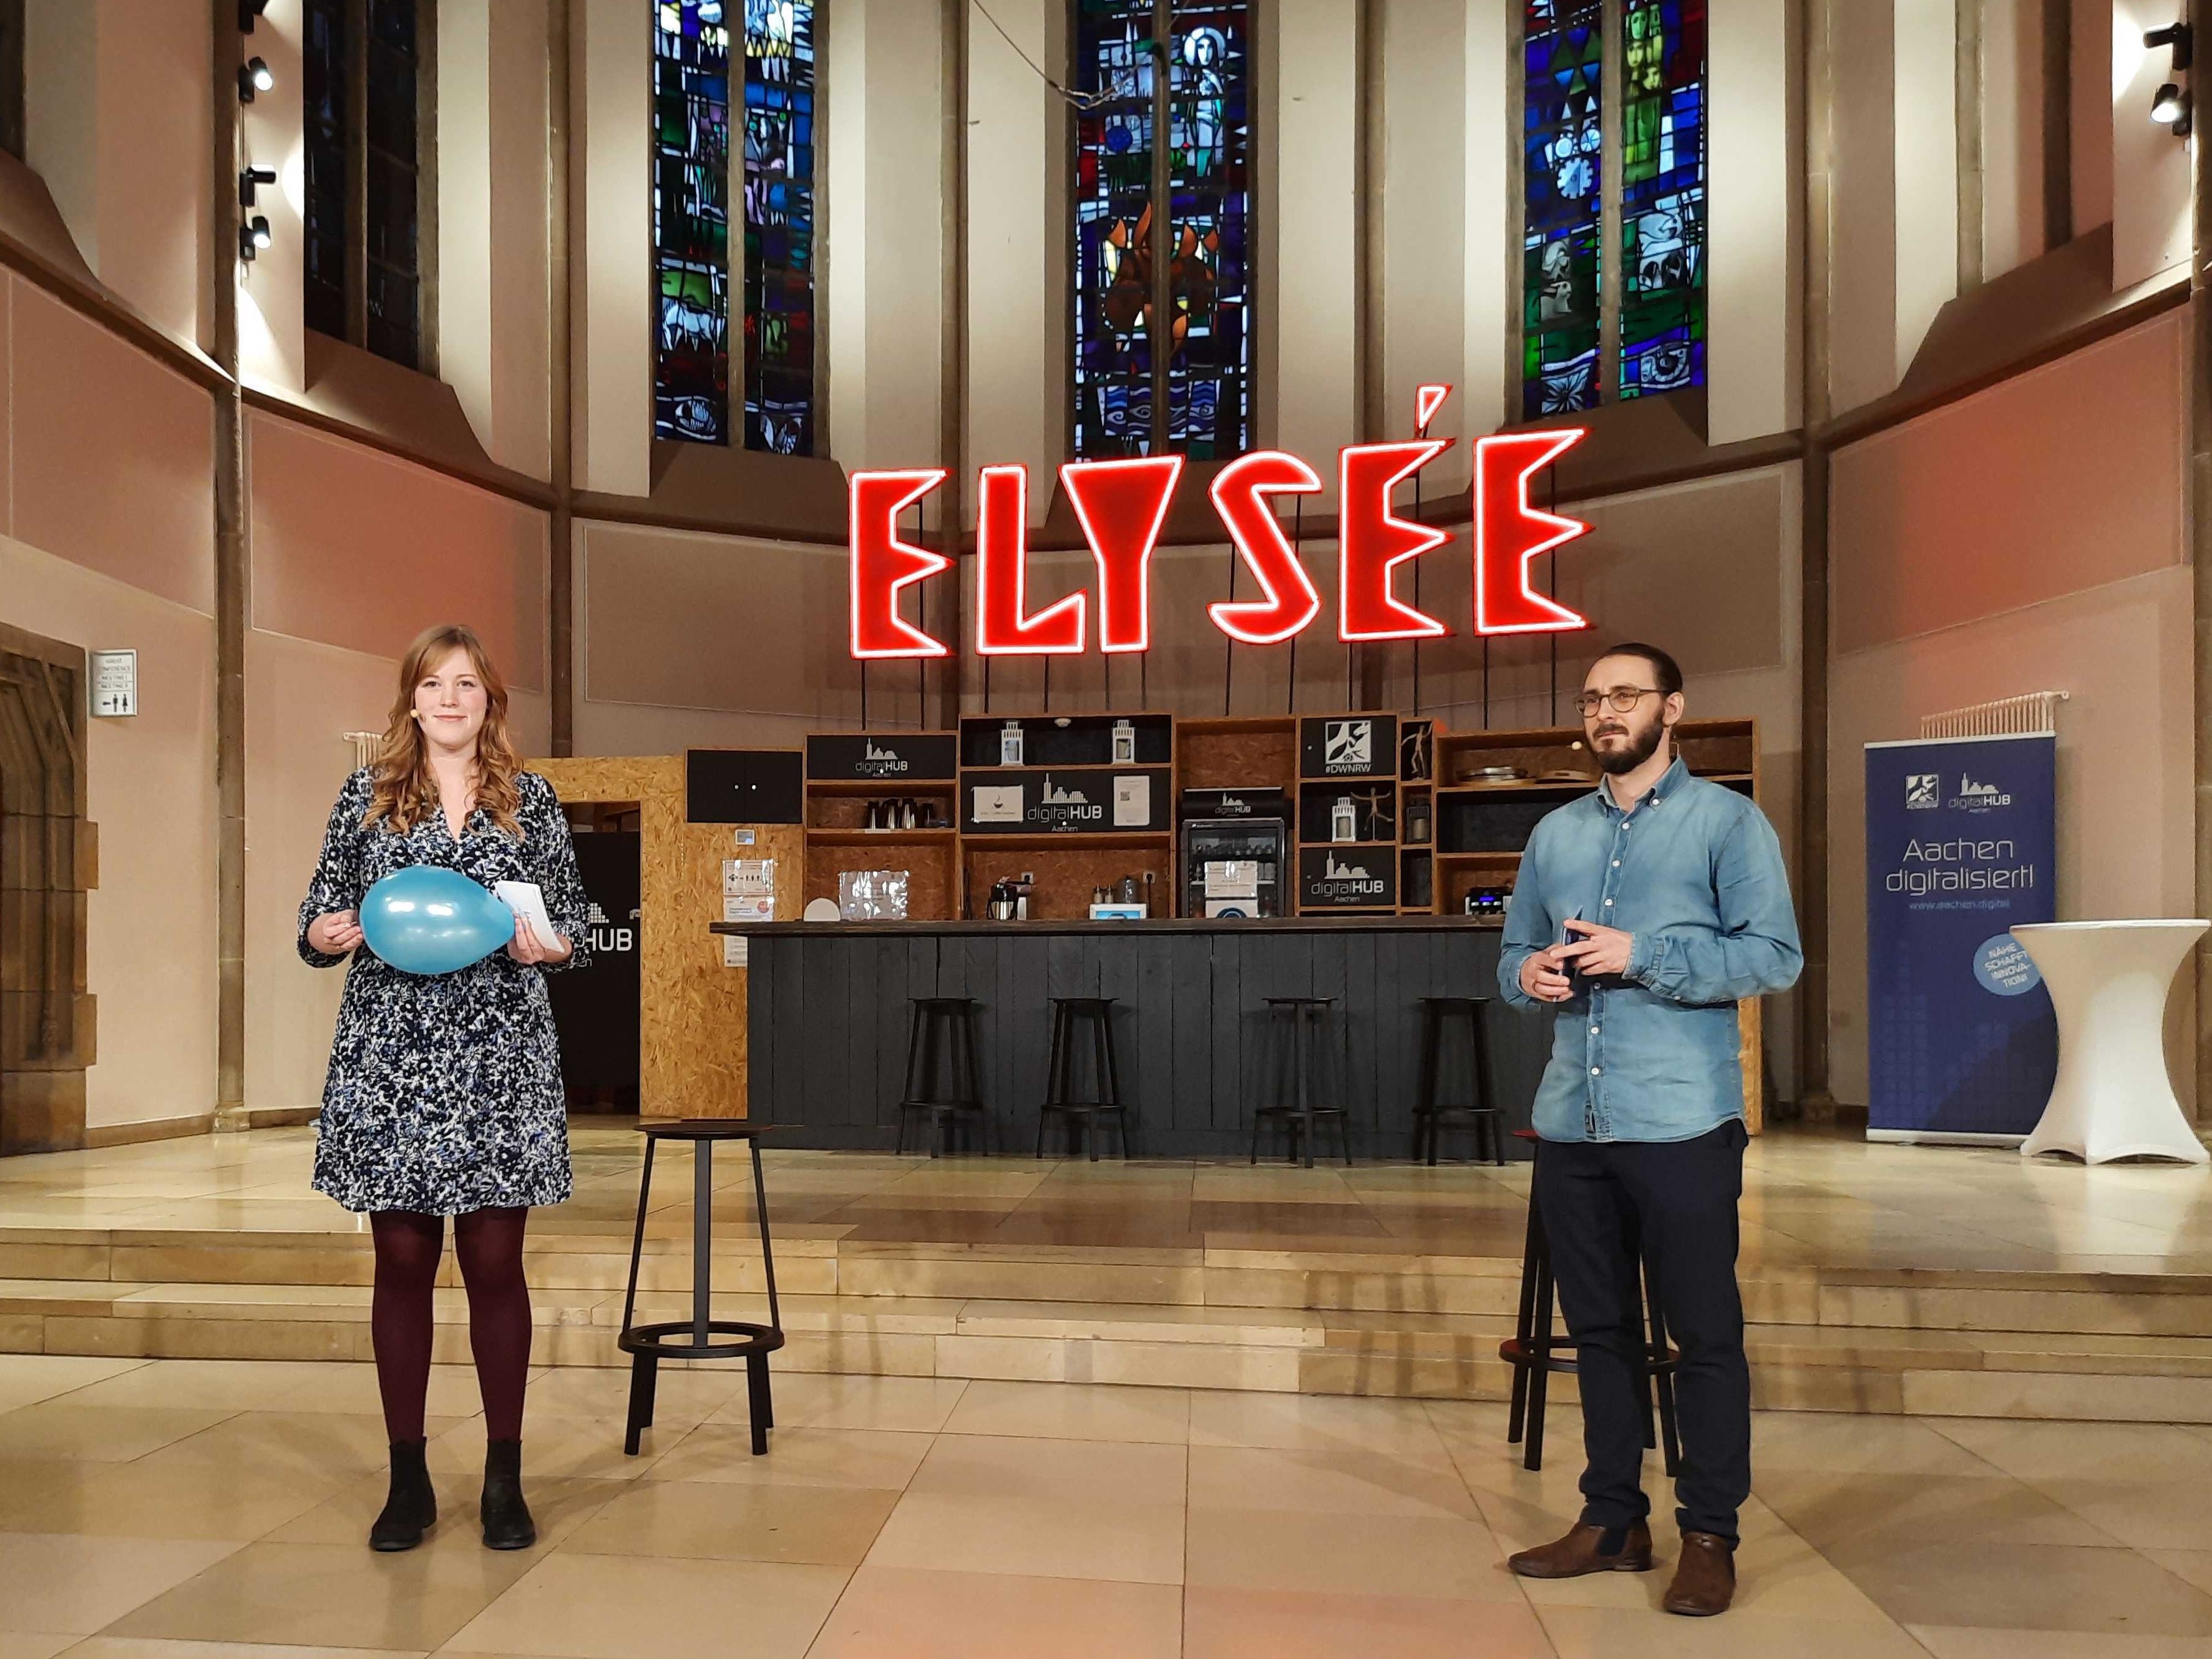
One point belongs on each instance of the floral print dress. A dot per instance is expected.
(444, 1093)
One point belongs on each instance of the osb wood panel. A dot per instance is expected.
(691, 1018)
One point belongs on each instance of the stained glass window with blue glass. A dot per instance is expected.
(1662, 204)
(779, 226)
(1208, 321)
(691, 220)
(1563, 111)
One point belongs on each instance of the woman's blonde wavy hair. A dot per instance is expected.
(401, 791)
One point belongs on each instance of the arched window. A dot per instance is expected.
(1613, 198)
(1196, 396)
(692, 181)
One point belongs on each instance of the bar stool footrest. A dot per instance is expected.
(658, 1340)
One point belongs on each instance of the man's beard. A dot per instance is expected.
(1641, 747)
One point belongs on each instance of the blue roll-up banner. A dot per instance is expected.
(1962, 836)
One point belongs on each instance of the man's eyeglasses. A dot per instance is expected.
(1622, 699)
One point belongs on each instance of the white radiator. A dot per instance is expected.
(2034, 714)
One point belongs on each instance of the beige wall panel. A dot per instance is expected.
(2151, 195)
(112, 459)
(2122, 651)
(1862, 207)
(1308, 399)
(678, 620)
(2012, 134)
(641, 729)
(2056, 482)
(611, 96)
(2089, 91)
(356, 548)
(302, 699)
(156, 155)
(1926, 109)
(151, 782)
(1753, 381)
(1425, 169)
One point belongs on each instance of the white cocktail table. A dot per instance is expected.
(2108, 982)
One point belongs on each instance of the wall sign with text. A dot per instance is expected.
(1123, 504)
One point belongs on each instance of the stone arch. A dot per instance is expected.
(47, 864)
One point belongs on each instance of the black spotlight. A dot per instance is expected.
(250, 180)
(254, 76)
(253, 237)
(249, 13)
(2170, 106)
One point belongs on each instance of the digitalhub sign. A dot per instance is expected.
(1123, 505)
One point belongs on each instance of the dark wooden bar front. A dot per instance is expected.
(828, 1020)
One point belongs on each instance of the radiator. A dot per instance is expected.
(2032, 715)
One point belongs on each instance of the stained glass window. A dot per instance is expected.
(1208, 360)
(1627, 319)
(691, 220)
(779, 195)
(1562, 177)
(367, 106)
(1662, 201)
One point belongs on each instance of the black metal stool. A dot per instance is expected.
(1534, 1353)
(1067, 1013)
(693, 1338)
(943, 1030)
(1295, 1026)
(1432, 1114)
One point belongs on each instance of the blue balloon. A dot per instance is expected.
(427, 920)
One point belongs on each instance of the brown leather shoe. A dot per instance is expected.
(1704, 1578)
(1578, 1553)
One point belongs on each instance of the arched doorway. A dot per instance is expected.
(46, 863)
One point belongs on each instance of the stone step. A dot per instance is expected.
(819, 1261)
(1399, 1352)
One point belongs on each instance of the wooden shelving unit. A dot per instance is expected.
(1068, 798)
(1251, 754)
(898, 766)
(1352, 756)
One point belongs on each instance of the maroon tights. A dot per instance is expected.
(490, 1245)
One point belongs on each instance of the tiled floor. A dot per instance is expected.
(189, 1509)
(1823, 1199)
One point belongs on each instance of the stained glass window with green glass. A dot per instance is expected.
(1612, 159)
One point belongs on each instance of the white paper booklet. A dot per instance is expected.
(527, 901)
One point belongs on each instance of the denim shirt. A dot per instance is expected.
(1694, 871)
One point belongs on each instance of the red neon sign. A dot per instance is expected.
(1003, 627)
(883, 565)
(1240, 492)
(1372, 541)
(1122, 506)
(1508, 533)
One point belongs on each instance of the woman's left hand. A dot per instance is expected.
(527, 947)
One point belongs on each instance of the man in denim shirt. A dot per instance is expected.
(1642, 912)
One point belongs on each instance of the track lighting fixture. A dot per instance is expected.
(249, 12)
(2170, 106)
(250, 180)
(254, 76)
(253, 237)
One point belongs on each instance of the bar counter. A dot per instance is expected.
(827, 1021)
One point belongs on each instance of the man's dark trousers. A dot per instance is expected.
(1599, 1198)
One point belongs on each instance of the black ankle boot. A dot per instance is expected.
(507, 1522)
(412, 1508)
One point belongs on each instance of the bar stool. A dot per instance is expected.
(1060, 1100)
(1296, 1026)
(1534, 1352)
(943, 1030)
(1432, 1114)
(694, 1337)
